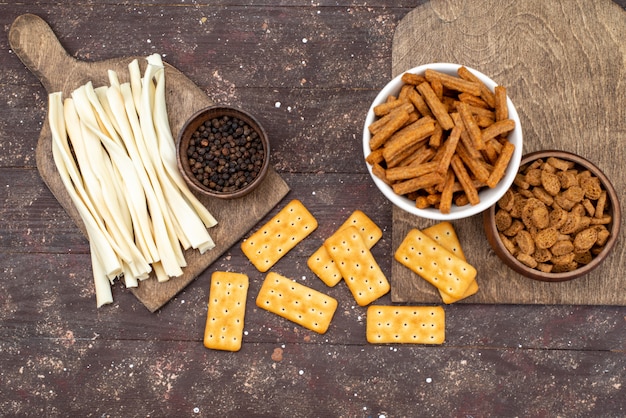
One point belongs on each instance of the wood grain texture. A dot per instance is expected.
(189, 383)
(567, 79)
(39, 49)
(60, 356)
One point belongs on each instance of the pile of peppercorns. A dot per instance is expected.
(225, 154)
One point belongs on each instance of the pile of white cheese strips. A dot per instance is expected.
(116, 155)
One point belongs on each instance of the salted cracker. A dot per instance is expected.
(322, 264)
(227, 308)
(445, 235)
(357, 265)
(405, 324)
(435, 264)
(296, 302)
(279, 235)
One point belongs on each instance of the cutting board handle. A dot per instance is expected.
(36, 45)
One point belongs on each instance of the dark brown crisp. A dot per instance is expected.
(550, 183)
(604, 220)
(538, 163)
(528, 209)
(514, 229)
(503, 220)
(561, 248)
(540, 217)
(591, 210)
(559, 163)
(579, 209)
(571, 225)
(527, 260)
(600, 205)
(527, 194)
(518, 205)
(583, 258)
(563, 259)
(563, 202)
(533, 177)
(591, 187)
(548, 168)
(546, 238)
(545, 267)
(525, 242)
(507, 200)
(568, 178)
(574, 193)
(542, 255)
(520, 182)
(558, 216)
(508, 244)
(566, 267)
(541, 194)
(603, 235)
(585, 239)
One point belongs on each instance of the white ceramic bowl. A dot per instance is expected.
(488, 197)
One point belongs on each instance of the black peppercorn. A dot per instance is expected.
(225, 154)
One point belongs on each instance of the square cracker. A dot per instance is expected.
(227, 308)
(405, 324)
(445, 235)
(279, 235)
(322, 264)
(435, 264)
(357, 265)
(298, 303)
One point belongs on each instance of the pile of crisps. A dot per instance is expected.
(442, 139)
(554, 217)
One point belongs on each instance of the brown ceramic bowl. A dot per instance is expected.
(612, 208)
(191, 136)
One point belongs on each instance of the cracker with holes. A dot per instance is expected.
(445, 235)
(227, 308)
(435, 264)
(279, 235)
(296, 302)
(405, 324)
(357, 265)
(322, 264)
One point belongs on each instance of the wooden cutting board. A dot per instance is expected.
(563, 64)
(36, 45)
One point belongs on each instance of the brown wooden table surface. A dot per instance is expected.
(308, 71)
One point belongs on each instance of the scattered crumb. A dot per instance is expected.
(277, 355)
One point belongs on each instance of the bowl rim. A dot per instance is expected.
(193, 122)
(498, 247)
(492, 195)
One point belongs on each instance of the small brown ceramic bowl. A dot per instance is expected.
(612, 208)
(223, 152)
